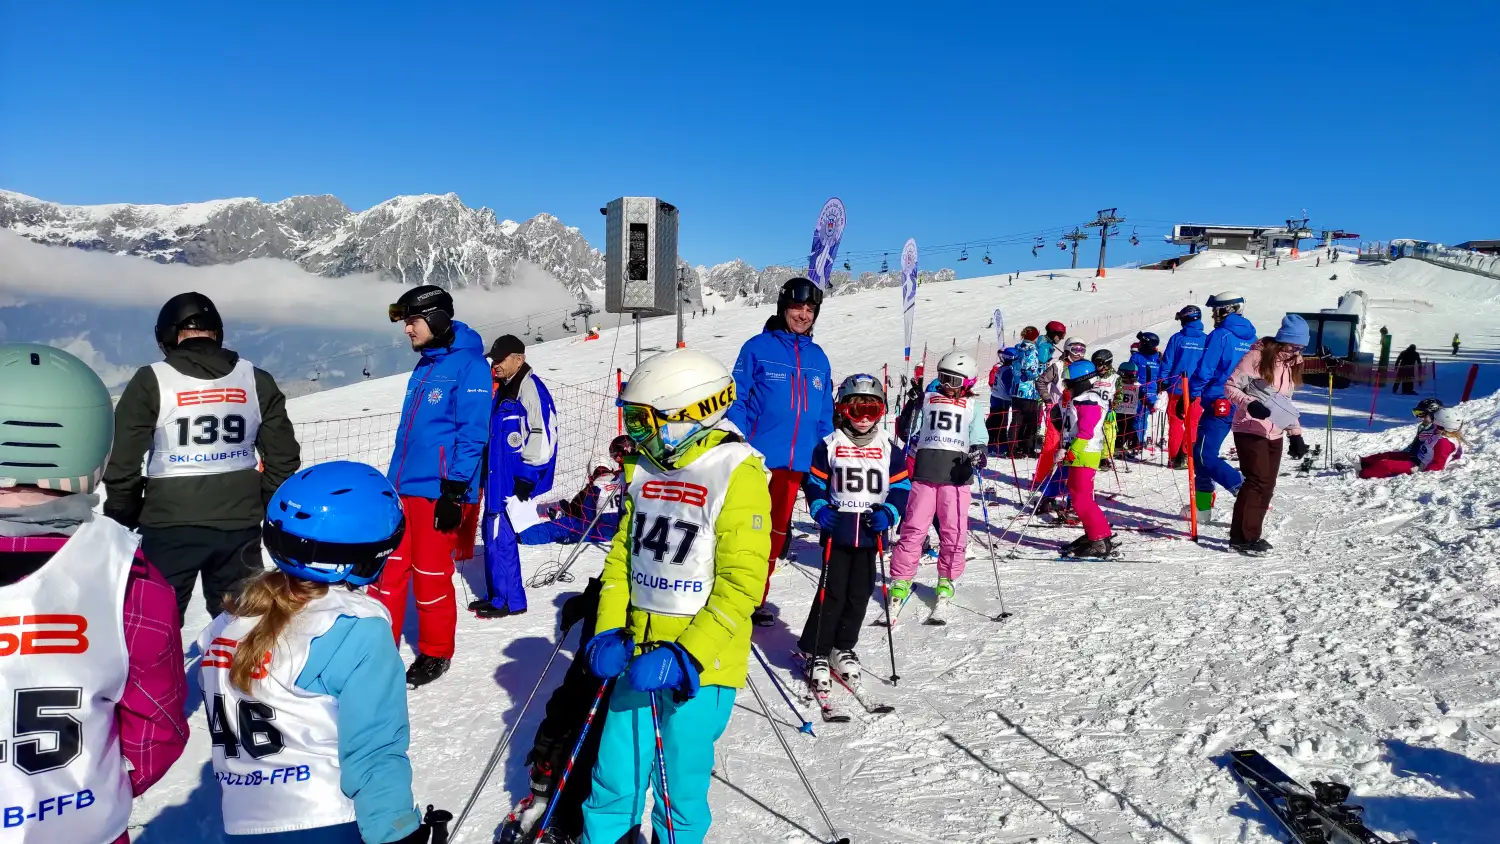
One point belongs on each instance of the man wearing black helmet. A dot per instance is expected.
(213, 433)
(436, 467)
(784, 403)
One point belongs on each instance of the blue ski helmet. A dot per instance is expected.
(334, 523)
(1081, 369)
(1009, 353)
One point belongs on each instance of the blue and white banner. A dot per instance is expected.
(909, 290)
(827, 234)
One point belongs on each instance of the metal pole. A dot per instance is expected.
(680, 299)
(637, 318)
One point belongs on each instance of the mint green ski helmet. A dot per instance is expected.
(56, 420)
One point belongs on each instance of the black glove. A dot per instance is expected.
(125, 509)
(448, 512)
(581, 606)
(433, 829)
(1298, 449)
(523, 488)
(1258, 410)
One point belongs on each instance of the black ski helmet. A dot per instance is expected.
(798, 291)
(1149, 342)
(186, 311)
(1103, 359)
(1191, 313)
(428, 301)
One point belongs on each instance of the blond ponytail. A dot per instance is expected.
(275, 598)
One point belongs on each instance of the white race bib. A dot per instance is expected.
(276, 752)
(1427, 448)
(204, 427)
(858, 475)
(945, 422)
(63, 667)
(672, 540)
(1127, 396)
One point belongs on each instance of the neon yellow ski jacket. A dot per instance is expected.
(718, 636)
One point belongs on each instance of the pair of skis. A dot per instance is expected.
(831, 711)
(937, 617)
(1318, 815)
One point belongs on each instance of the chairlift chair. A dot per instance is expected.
(1062, 245)
(986, 258)
(847, 268)
(885, 266)
(963, 254)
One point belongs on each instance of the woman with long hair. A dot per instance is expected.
(303, 686)
(1261, 389)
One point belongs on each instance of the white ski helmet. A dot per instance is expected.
(961, 364)
(1448, 418)
(673, 399)
(1226, 300)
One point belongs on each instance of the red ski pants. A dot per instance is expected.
(429, 555)
(784, 486)
(1182, 431)
(1387, 464)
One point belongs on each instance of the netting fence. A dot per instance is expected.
(586, 422)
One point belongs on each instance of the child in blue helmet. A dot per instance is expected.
(303, 686)
(1148, 362)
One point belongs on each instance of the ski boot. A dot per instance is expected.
(1097, 549)
(1258, 548)
(900, 591)
(424, 669)
(1179, 462)
(819, 678)
(520, 825)
(1071, 549)
(944, 589)
(847, 663)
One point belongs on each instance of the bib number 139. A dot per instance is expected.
(211, 429)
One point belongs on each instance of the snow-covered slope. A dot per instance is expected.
(1363, 650)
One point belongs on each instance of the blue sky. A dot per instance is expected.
(948, 122)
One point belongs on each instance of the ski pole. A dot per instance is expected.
(489, 768)
(802, 775)
(573, 556)
(989, 537)
(885, 585)
(807, 726)
(822, 604)
(661, 765)
(562, 781)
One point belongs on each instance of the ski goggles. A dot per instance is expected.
(953, 380)
(642, 421)
(862, 409)
(1079, 349)
(802, 291)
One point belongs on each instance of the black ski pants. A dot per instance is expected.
(848, 583)
(1025, 416)
(225, 558)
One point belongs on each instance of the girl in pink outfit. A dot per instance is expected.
(946, 447)
(1083, 448)
(90, 653)
(1261, 388)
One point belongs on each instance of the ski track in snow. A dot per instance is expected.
(1362, 650)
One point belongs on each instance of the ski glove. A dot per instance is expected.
(1298, 449)
(523, 488)
(448, 512)
(827, 516)
(978, 458)
(432, 830)
(665, 666)
(609, 652)
(1161, 402)
(883, 518)
(1258, 410)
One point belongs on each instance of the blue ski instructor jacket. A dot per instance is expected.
(784, 390)
(1226, 345)
(1183, 353)
(445, 419)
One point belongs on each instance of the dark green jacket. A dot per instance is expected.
(230, 501)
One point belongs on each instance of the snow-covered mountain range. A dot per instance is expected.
(427, 239)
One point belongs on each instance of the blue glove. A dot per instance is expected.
(665, 666)
(609, 652)
(883, 518)
(826, 516)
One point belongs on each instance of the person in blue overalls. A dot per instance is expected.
(1227, 343)
(521, 461)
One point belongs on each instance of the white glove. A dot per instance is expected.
(1161, 402)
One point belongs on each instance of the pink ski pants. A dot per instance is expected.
(1081, 487)
(951, 505)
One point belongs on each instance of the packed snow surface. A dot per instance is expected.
(1363, 650)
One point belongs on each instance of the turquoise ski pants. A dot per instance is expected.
(627, 764)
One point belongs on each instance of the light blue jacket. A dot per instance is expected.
(1025, 369)
(355, 662)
